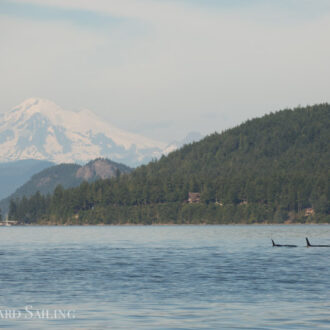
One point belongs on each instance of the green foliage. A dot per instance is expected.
(268, 169)
(14, 174)
(65, 175)
(45, 182)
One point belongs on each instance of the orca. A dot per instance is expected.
(310, 245)
(284, 245)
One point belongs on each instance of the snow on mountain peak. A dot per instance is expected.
(40, 129)
(36, 104)
(32, 106)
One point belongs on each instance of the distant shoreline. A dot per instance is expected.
(165, 224)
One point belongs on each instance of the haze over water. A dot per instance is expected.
(166, 277)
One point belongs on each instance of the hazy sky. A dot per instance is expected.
(163, 68)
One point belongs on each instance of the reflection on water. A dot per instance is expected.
(165, 277)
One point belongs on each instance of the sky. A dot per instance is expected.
(164, 68)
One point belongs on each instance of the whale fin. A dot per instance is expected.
(273, 243)
(308, 244)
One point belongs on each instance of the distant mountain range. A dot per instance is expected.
(66, 175)
(14, 174)
(40, 129)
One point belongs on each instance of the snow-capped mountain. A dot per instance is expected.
(40, 129)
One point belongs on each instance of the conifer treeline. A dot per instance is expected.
(268, 169)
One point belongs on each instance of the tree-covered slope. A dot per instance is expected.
(14, 174)
(66, 175)
(272, 169)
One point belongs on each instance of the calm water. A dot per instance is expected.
(164, 277)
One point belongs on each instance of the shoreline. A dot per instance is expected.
(166, 224)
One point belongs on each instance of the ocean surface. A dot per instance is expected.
(164, 277)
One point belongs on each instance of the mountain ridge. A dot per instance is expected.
(40, 129)
(67, 176)
(14, 174)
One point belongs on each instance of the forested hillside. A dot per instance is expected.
(66, 175)
(271, 169)
(45, 182)
(14, 174)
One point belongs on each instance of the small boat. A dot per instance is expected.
(8, 223)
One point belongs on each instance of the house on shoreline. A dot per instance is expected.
(194, 197)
